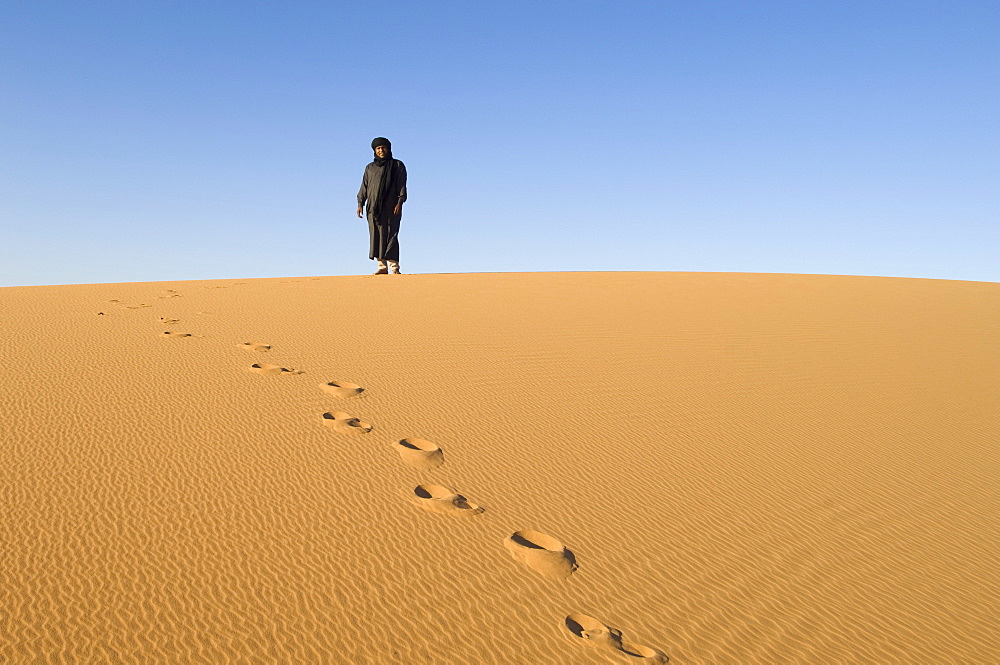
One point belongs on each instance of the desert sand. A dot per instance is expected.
(565, 468)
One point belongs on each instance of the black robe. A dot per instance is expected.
(385, 230)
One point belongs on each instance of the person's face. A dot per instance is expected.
(381, 151)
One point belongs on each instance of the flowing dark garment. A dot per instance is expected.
(382, 195)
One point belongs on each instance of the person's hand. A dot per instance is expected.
(359, 211)
(398, 210)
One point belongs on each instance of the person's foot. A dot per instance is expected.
(394, 267)
(382, 270)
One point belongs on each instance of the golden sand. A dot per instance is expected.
(567, 468)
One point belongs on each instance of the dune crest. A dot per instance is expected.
(751, 469)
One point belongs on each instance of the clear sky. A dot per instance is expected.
(144, 140)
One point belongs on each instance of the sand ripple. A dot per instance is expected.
(752, 468)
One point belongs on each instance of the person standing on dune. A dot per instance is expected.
(383, 188)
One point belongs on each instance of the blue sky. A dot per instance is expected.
(146, 140)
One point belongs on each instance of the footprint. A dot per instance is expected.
(169, 293)
(168, 321)
(445, 500)
(341, 389)
(420, 453)
(139, 306)
(595, 632)
(345, 423)
(542, 553)
(170, 333)
(255, 346)
(606, 638)
(264, 368)
(647, 653)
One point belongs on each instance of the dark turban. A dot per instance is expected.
(381, 141)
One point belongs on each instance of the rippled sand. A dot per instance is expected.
(566, 468)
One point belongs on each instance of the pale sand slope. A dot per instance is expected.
(746, 469)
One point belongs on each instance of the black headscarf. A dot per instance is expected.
(383, 206)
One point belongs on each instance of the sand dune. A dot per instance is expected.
(710, 468)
